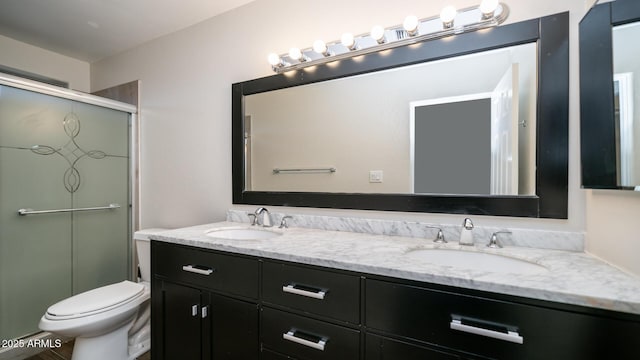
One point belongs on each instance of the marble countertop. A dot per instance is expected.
(572, 277)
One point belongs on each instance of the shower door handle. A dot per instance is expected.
(27, 211)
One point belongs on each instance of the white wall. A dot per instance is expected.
(25, 57)
(186, 82)
(612, 227)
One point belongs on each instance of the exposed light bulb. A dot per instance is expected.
(377, 33)
(410, 24)
(296, 54)
(320, 47)
(274, 59)
(348, 41)
(447, 15)
(488, 7)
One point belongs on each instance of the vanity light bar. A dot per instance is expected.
(489, 13)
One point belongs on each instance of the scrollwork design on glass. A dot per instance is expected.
(71, 152)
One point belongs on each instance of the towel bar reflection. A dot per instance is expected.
(23, 212)
(317, 170)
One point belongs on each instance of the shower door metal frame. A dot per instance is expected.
(46, 89)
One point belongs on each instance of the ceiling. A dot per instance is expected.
(90, 30)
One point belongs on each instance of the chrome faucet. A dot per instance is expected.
(263, 217)
(466, 234)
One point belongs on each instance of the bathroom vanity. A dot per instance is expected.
(205, 304)
(316, 294)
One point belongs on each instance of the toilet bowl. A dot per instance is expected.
(110, 322)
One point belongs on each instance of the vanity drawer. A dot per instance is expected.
(316, 291)
(227, 273)
(481, 326)
(270, 355)
(381, 348)
(306, 338)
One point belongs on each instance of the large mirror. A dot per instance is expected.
(610, 96)
(471, 124)
(401, 137)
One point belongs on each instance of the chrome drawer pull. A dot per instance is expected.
(304, 291)
(511, 336)
(318, 345)
(198, 269)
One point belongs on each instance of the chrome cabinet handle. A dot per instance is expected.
(198, 269)
(511, 336)
(306, 291)
(194, 310)
(318, 345)
(205, 311)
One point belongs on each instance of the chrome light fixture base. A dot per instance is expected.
(466, 20)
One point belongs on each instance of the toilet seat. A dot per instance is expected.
(96, 301)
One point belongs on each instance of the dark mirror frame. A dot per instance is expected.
(552, 36)
(597, 114)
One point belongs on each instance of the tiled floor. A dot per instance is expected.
(65, 351)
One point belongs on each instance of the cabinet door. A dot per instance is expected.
(178, 333)
(235, 327)
(381, 348)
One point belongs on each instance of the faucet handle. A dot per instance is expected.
(493, 242)
(440, 237)
(283, 222)
(252, 219)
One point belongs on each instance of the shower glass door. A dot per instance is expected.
(57, 157)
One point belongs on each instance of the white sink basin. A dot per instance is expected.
(471, 260)
(242, 234)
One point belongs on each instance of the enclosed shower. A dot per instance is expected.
(65, 198)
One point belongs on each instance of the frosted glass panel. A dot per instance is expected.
(59, 154)
(101, 238)
(35, 253)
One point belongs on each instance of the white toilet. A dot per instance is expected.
(110, 322)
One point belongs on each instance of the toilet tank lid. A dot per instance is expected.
(96, 299)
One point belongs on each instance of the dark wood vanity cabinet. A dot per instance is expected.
(206, 310)
(226, 306)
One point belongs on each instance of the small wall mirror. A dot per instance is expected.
(610, 96)
(472, 124)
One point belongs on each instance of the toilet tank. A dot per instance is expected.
(143, 251)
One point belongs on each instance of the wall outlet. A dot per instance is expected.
(375, 176)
